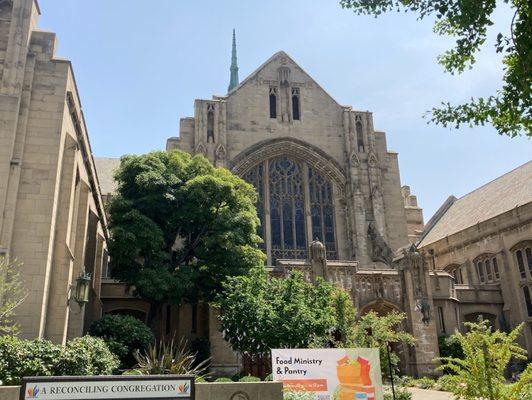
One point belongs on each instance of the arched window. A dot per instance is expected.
(210, 123)
(528, 301)
(487, 268)
(360, 136)
(456, 271)
(273, 102)
(295, 104)
(289, 190)
(523, 256)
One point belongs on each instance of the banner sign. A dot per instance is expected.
(160, 387)
(330, 374)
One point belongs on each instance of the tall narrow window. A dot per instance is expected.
(168, 319)
(520, 263)
(210, 123)
(496, 272)
(321, 210)
(528, 301)
(360, 136)
(194, 322)
(480, 268)
(287, 213)
(528, 253)
(488, 270)
(273, 102)
(295, 104)
(441, 320)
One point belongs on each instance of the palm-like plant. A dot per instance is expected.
(170, 358)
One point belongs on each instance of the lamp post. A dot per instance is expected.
(80, 291)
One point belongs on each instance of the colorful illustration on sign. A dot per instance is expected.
(355, 380)
(184, 388)
(33, 392)
(330, 374)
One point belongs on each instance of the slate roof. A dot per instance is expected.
(106, 167)
(507, 192)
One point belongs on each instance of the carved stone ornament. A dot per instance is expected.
(318, 259)
(380, 249)
(423, 307)
(240, 396)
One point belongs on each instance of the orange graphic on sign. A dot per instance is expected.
(355, 380)
(305, 385)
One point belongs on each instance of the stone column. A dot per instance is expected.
(419, 307)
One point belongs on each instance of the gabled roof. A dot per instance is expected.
(503, 194)
(105, 168)
(271, 60)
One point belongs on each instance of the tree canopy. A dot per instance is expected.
(509, 110)
(180, 226)
(259, 313)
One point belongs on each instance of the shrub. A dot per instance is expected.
(268, 378)
(20, 358)
(289, 395)
(201, 347)
(165, 358)
(223, 379)
(249, 378)
(445, 383)
(88, 355)
(400, 394)
(450, 347)
(124, 335)
(81, 356)
(424, 383)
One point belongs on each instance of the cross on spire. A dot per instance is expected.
(234, 66)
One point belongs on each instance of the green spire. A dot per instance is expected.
(234, 66)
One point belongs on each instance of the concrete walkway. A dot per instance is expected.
(422, 394)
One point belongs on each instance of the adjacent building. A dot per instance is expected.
(52, 218)
(484, 241)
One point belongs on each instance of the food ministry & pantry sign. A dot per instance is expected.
(330, 374)
(153, 387)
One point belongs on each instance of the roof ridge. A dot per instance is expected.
(493, 180)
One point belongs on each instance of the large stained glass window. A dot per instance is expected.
(283, 184)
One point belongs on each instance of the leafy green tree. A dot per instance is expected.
(179, 227)
(124, 336)
(509, 110)
(12, 294)
(373, 330)
(480, 374)
(259, 313)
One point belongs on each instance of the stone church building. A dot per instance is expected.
(330, 203)
(322, 173)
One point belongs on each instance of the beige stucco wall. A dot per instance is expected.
(48, 184)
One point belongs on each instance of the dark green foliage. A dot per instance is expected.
(249, 378)
(509, 110)
(259, 313)
(81, 356)
(223, 379)
(201, 347)
(450, 347)
(124, 335)
(180, 226)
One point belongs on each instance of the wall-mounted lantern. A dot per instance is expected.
(80, 291)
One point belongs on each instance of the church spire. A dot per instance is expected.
(234, 66)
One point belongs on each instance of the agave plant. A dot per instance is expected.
(165, 358)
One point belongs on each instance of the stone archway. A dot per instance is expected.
(380, 306)
(295, 148)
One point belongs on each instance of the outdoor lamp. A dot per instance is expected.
(81, 289)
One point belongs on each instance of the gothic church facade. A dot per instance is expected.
(322, 172)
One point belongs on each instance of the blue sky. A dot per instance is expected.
(139, 66)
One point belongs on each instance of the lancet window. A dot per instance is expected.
(295, 205)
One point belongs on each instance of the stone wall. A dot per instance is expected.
(204, 391)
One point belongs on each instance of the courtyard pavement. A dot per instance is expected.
(422, 394)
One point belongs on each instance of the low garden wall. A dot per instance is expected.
(204, 391)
